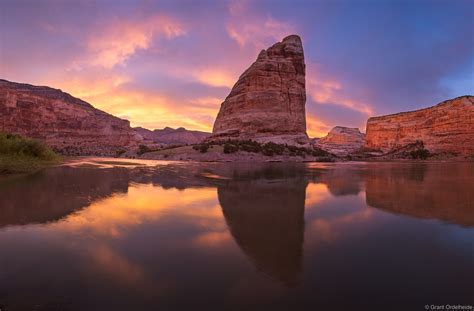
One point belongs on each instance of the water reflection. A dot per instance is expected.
(220, 234)
(265, 214)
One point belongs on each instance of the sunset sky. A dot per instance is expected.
(172, 63)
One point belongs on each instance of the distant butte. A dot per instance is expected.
(268, 100)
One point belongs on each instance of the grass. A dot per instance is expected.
(24, 155)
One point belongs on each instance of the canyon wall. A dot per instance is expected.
(447, 128)
(67, 124)
(269, 97)
(169, 136)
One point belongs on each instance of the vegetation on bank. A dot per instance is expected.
(24, 155)
(268, 149)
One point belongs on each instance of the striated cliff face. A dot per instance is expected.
(341, 141)
(269, 97)
(447, 128)
(169, 136)
(67, 124)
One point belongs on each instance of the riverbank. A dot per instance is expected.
(19, 155)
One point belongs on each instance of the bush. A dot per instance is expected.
(143, 149)
(203, 148)
(230, 148)
(421, 154)
(269, 149)
(11, 144)
(250, 146)
(23, 155)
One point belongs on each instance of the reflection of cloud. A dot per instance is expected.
(114, 216)
(329, 229)
(316, 193)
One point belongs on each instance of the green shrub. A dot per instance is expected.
(23, 155)
(230, 148)
(11, 144)
(143, 149)
(421, 154)
(203, 148)
(250, 146)
(270, 148)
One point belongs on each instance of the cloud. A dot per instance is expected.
(120, 39)
(248, 28)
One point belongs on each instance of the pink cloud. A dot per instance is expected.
(119, 39)
(247, 28)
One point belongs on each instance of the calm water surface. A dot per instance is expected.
(99, 235)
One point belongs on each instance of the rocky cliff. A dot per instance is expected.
(269, 97)
(341, 141)
(67, 124)
(447, 128)
(169, 136)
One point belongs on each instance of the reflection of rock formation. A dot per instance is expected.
(266, 219)
(54, 193)
(441, 191)
(341, 181)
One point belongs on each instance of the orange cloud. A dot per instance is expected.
(316, 127)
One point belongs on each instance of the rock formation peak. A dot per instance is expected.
(269, 97)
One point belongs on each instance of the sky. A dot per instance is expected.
(172, 63)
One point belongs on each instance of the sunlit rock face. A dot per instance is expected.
(266, 219)
(269, 97)
(341, 141)
(68, 124)
(447, 128)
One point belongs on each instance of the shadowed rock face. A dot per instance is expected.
(445, 128)
(266, 219)
(171, 136)
(341, 141)
(67, 124)
(269, 97)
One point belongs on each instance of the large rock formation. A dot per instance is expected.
(341, 141)
(269, 97)
(169, 136)
(447, 128)
(67, 124)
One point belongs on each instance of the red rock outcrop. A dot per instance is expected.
(67, 124)
(269, 97)
(341, 141)
(169, 136)
(447, 128)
